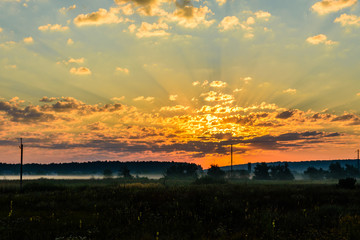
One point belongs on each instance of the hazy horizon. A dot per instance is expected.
(179, 80)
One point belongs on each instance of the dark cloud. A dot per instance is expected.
(288, 140)
(26, 114)
(345, 117)
(47, 99)
(285, 114)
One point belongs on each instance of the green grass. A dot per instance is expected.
(147, 209)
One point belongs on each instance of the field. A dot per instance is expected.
(148, 209)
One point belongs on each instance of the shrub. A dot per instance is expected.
(348, 183)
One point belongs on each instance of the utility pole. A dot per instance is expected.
(358, 165)
(21, 162)
(231, 168)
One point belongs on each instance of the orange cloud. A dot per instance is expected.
(320, 39)
(174, 108)
(123, 70)
(28, 40)
(142, 98)
(152, 30)
(189, 16)
(221, 2)
(53, 28)
(229, 23)
(80, 71)
(102, 16)
(327, 6)
(348, 20)
(218, 84)
(290, 91)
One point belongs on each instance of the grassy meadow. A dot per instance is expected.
(150, 209)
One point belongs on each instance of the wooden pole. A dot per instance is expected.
(21, 162)
(358, 165)
(231, 168)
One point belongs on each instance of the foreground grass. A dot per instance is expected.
(147, 209)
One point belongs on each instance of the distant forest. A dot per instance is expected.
(87, 168)
(144, 167)
(300, 167)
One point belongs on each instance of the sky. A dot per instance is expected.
(179, 80)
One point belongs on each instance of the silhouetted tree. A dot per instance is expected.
(336, 171)
(316, 174)
(281, 172)
(351, 171)
(125, 172)
(348, 183)
(182, 170)
(215, 172)
(261, 172)
(107, 173)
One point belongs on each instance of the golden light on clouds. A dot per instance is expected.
(348, 20)
(102, 16)
(28, 40)
(80, 71)
(53, 27)
(180, 80)
(328, 6)
(320, 39)
(123, 70)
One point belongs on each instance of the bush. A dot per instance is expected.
(348, 183)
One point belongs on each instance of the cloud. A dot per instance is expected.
(218, 84)
(118, 99)
(70, 104)
(142, 98)
(47, 99)
(263, 15)
(289, 140)
(228, 23)
(174, 108)
(80, 71)
(320, 39)
(102, 16)
(127, 9)
(286, 114)
(69, 42)
(27, 114)
(8, 44)
(132, 28)
(327, 6)
(152, 30)
(348, 20)
(173, 97)
(250, 21)
(64, 10)
(249, 35)
(144, 7)
(196, 83)
(189, 16)
(28, 40)
(291, 91)
(221, 2)
(238, 90)
(217, 97)
(76, 60)
(53, 28)
(123, 70)
(246, 79)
